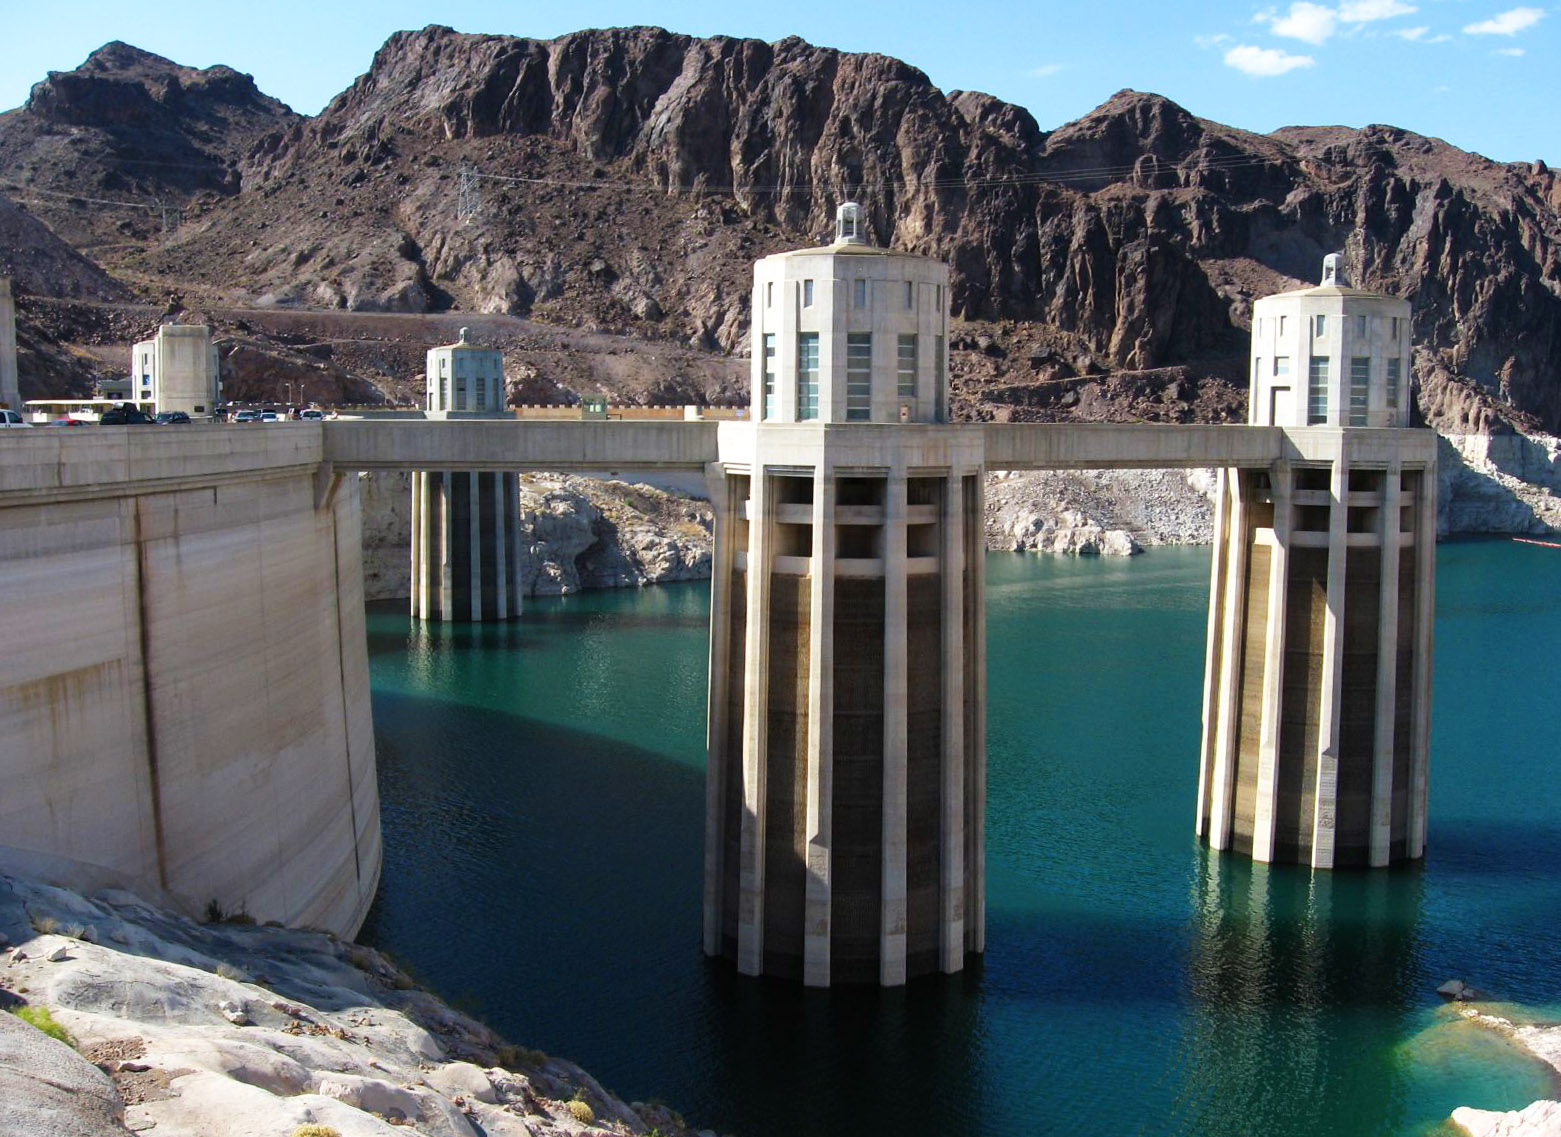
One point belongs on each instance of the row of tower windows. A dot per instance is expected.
(861, 293)
(1360, 385)
(480, 394)
(859, 373)
(1363, 325)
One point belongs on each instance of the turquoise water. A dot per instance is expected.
(543, 787)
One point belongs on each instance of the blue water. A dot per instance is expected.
(543, 787)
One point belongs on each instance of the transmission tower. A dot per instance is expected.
(468, 194)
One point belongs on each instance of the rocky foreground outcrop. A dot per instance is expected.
(1539, 1119)
(191, 1030)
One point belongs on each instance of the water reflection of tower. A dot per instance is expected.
(1286, 967)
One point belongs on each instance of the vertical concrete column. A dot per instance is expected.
(750, 873)
(975, 846)
(951, 858)
(1425, 601)
(445, 562)
(821, 729)
(1383, 746)
(473, 538)
(1227, 725)
(419, 495)
(503, 522)
(1281, 478)
(1325, 819)
(722, 507)
(1219, 569)
(892, 929)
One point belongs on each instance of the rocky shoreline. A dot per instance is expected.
(1538, 1119)
(187, 1030)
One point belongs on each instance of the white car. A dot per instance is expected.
(270, 416)
(12, 418)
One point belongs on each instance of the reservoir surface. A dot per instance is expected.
(543, 792)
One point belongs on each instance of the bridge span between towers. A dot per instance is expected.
(507, 445)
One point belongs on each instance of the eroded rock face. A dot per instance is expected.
(1136, 238)
(576, 533)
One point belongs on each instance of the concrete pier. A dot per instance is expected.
(1317, 683)
(465, 523)
(846, 745)
(465, 545)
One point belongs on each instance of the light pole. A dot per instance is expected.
(289, 388)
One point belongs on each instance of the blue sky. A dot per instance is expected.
(1470, 71)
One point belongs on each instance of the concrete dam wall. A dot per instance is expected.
(184, 695)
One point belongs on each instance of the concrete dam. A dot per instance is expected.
(185, 709)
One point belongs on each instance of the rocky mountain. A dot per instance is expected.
(621, 181)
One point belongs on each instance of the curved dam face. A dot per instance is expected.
(184, 695)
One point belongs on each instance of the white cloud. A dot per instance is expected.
(1512, 51)
(1312, 23)
(1365, 11)
(1509, 23)
(1265, 61)
(1045, 69)
(1419, 35)
(1211, 41)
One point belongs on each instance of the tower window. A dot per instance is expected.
(859, 294)
(1395, 366)
(1322, 326)
(1395, 328)
(769, 375)
(1281, 365)
(807, 375)
(906, 367)
(859, 377)
(769, 294)
(1282, 324)
(1360, 389)
(807, 294)
(1317, 391)
(910, 295)
(1360, 326)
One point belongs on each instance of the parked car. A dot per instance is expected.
(247, 416)
(313, 414)
(126, 414)
(269, 416)
(171, 418)
(12, 418)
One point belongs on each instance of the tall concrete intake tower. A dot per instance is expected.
(847, 701)
(465, 523)
(1317, 684)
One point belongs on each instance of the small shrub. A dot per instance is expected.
(316, 1131)
(39, 1016)
(45, 925)
(228, 971)
(512, 1056)
(217, 914)
(581, 1112)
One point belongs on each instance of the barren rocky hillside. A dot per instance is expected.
(620, 182)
